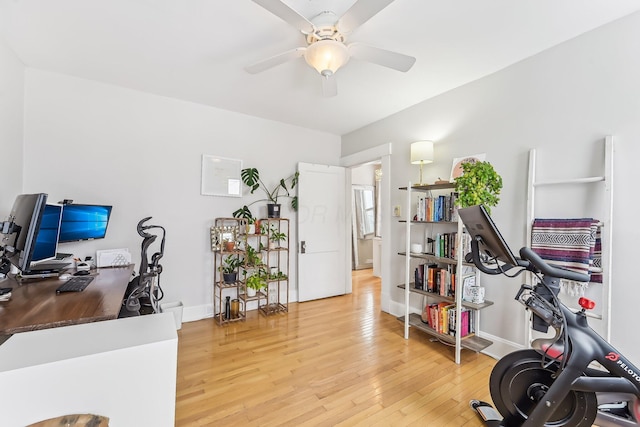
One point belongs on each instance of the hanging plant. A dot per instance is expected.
(479, 184)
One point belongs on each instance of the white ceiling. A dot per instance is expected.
(195, 50)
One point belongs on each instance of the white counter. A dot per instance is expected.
(124, 369)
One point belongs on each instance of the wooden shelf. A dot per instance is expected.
(269, 309)
(467, 304)
(470, 342)
(444, 186)
(435, 258)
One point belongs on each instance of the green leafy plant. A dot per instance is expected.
(252, 257)
(251, 178)
(276, 236)
(479, 184)
(230, 264)
(244, 212)
(256, 280)
(278, 275)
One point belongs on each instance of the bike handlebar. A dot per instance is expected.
(530, 261)
(548, 270)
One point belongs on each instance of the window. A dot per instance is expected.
(365, 210)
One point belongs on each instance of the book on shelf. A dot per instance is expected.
(465, 322)
(436, 208)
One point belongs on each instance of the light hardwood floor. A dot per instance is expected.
(334, 362)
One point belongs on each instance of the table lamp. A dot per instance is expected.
(421, 153)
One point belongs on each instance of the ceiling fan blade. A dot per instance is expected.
(386, 58)
(329, 86)
(275, 60)
(359, 13)
(287, 14)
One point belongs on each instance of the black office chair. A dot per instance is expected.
(144, 293)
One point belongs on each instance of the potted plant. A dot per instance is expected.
(277, 275)
(229, 269)
(252, 257)
(275, 237)
(255, 282)
(479, 184)
(252, 223)
(229, 245)
(251, 178)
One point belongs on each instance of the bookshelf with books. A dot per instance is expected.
(438, 273)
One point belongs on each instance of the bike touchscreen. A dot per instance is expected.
(481, 227)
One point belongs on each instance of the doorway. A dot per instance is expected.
(381, 253)
(365, 211)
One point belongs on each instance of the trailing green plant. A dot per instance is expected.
(479, 184)
(251, 178)
(256, 280)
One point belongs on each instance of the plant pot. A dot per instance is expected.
(257, 227)
(229, 246)
(251, 292)
(229, 277)
(273, 210)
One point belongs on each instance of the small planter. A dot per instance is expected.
(229, 246)
(229, 277)
(251, 292)
(273, 210)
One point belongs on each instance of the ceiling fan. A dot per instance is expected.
(325, 34)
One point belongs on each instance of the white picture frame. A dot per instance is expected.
(456, 167)
(221, 176)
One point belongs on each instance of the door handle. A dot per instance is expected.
(303, 246)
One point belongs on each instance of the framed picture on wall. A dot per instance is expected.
(456, 168)
(221, 176)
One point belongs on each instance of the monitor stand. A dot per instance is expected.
(39, 274)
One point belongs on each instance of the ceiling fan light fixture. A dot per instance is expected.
(326, 56)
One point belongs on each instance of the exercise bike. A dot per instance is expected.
(144, 293)
(554, 382)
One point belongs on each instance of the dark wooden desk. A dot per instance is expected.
(34, 303)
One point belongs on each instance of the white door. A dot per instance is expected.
(321, 231)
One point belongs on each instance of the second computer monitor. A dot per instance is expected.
(84, 222)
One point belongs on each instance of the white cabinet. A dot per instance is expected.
(437, 271)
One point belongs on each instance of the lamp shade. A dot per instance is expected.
(421, 152)
(326, 56)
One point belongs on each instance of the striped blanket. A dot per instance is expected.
(570, 243)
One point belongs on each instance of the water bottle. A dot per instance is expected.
(227, 309)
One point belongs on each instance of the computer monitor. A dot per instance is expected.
(481, 227)
(18, 232)
(83, 222)
(46, 246)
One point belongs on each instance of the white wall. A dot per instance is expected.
(96, 143)
(562, 102)
(11, 123)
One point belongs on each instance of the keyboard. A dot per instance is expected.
(75, 284)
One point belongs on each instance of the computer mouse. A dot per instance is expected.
(81, 273)
(64, 276)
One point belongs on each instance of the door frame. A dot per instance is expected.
(380, 153)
